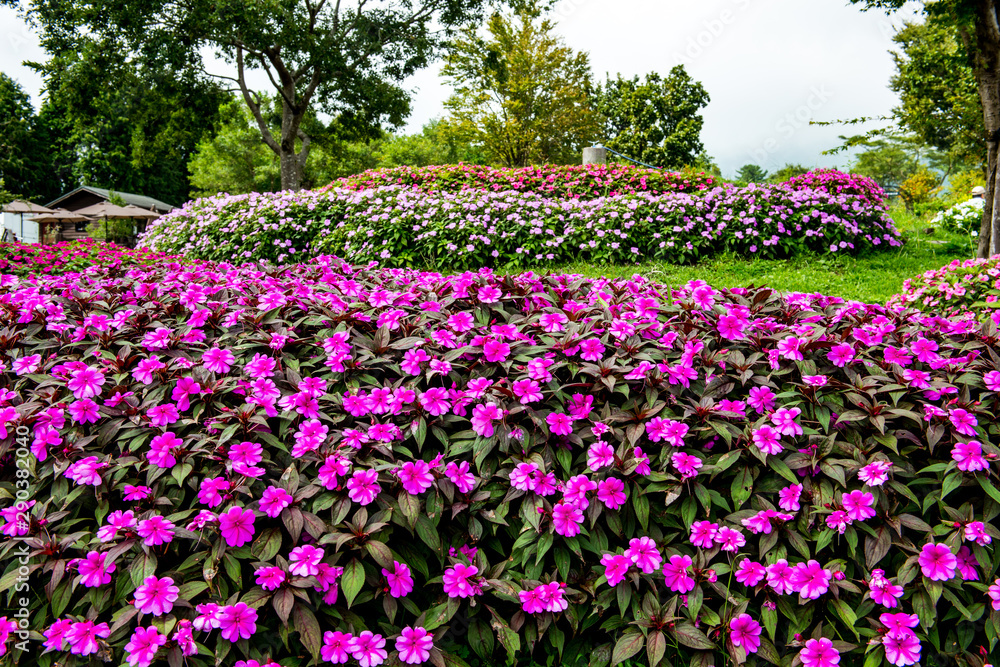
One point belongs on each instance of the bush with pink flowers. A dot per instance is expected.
(236, 466)
(967, 288)
(561, 181)
(836, 182)
(29, 259)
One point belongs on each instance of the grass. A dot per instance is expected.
(871, 278)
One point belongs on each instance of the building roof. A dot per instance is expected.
(137, 200)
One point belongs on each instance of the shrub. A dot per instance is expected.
(965, 217)
(572, 182)
(837, 182)
(23, 259)
(221, 465)
(406, 227)
(964, 287)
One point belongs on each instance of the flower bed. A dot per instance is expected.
(236, 465)
(560, 181)
(962, 288)
(23, 259)
(965, 217)
(405, 227)
(836, 182)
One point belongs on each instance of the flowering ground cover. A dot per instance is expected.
(25, 259)
(405, 227)
(561, 181)
(221, 465)
(962, 288)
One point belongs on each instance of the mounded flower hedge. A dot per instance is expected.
(561, 181)
(220, 465)
(962, 288)
(402, 226)
(28, 259)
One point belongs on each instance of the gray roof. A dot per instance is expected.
(138, 200)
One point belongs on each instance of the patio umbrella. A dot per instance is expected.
(56, 215)
(20, 207)
(106, 210)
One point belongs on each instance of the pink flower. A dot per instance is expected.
(611, 492)
(274, 500)
(643, 552)
(901, 648)
(161, 450)
(363, 486)
(211, 490)
(460, 476)
(617, 566)
(745, 632)
(237, 622)
(600, 455)
(841, 355)
(400, 579)
(875, 473)
(859, 505)
(767, 440)
(236, 526)
(819, 653)
(82, 637)
(779, 577)
(560, 423)
(975, 531)
(566, 519)
(456, 581)
(788, 498)
(994, 593)
(336, 646)
(761, 399)
(163, 415)
(687, 464)
(86, 382)
(750, 573)
(367, 649)
(967, 564)
(784, 419)
(304, 561)
(496, 351)
(414, 645)
(415, 476)
(26, 365)
(155, 530)
(811, 580)
(963, 421)
(93, 571)
(483, 417)
(937, 562)
(143, 645)
(730, 539)
(703, 534)
(969, 456)
(270, 578)
(676, 576)
(54, 635)
(217, 360)
(156, 596)
(84, 411)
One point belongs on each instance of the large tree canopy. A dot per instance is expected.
(344, 58)
(520, 93)
(657, 120)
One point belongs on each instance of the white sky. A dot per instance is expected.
(769, 66)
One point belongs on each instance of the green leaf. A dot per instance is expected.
(692, 637)
(641, 504)
(352, 580)
(742, 488)
(951, 482)
(656, 647)
(267, 545)
(627, 645)
(308, 629)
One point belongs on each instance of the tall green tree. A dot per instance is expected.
(656, 120)
(344, 59)
(892, 158)
(520, 92)
(19, 167)
(751, 173)
(979, 31)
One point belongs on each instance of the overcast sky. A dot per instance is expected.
(770, 66)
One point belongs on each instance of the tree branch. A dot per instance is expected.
(254, 106)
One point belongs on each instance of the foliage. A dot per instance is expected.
(964, 217)
(435, 144)
(891, 159)
(327, 448)
(751, 173)
(917, 190)
(16, 125)
(788, 172)
(407, 227)
(575, 181)
(657, 121)
(961, 288)
(939, 101)
(521, 94)
(33, 259)
(960, 185)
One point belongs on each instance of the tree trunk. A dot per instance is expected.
(291, 172)
(986, 66)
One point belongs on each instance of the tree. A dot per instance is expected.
(18, 166)
(657, 120)
(345, 59)
(937, 90)
(751, 173)
(979, 31)
(520, 94)
(435, 144)
(788, 171)
(893, 158)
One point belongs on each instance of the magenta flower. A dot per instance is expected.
(156, 596)
(236, 526)
(745, 632)
(270, 578)
(687, 464)
(93, 570)
(496, 351)
(730, 539)
(611, 492)
(82, 637)
(363, 486)
(810, 579)
(400, 579)
(875, 473)
(819, 653)
(643, 552)
(273, 500)
(964, 421)
(767, 440)
(676, 576)
(367, 649)
(600, 455)
(969, 456)
(560, 423)
(975, 531)
(304, 561)
(336, 647)
(456, 581)
(483, 417)
(566, 519)
(86, 382)
(994, 594)
(937, 562)
(703, 534)
(237, 622)
(155, 530)
(750, 573)
(901, 648)
(211, 490)
(460, 476)
(841, 355)
(143, 645)
(55, 635)
(617, 566)
(967, 564)
(84, 411)
(859, 505)
(784, 419)
(788, 498)
(883, 591)
(26, 365)
(217, 360)
(161, 450)
(415, 476)
(779, 577)
(414, 645)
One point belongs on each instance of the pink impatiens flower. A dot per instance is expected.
(617, 566)
(767, 440)
(237, 622)
(611, 492)
(236, 526)
(566, 519)
(937, 562)
(969, 456)
(811, 580)
(415, 476)
(93, 570)
(456, 580)
(367, 649)
(273, 500)
(819, 653)
(875, 473)
(155, 530)
(750, 573)
(703, 534)
(643, 552)
(676, 576)
(784, 420)
(414, 645)
(304, 561)
(400, 579)
(841, 355)
(143, 645)
(363, 486)
(859, 505)
(156, 596)
(745, 632)
(336, 647)
(560, 423)
(86, 382)
(788, 498)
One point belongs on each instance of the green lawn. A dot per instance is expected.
(872, 278)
